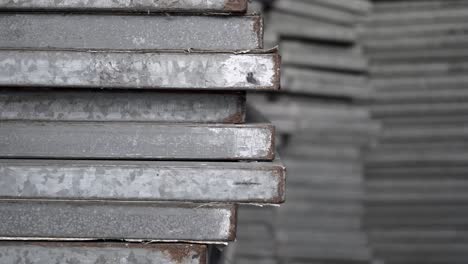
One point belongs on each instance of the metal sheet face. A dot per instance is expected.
(219, 6)
(136, 140)
(259, 182)
(117, 105)
(134, 70)
(91, 252)
(92, 31)
(116, 220)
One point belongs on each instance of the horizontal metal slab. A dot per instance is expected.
(357, 6)
(293, 26)
(54, 220)
(96, 252)
(313, 10)
(91, 31)
(135, 70)
(136, 140)
(118, 105)
(259, 182)
(318, 56)
(218, 6)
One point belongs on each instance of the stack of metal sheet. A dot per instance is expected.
(121, 124)
(322, 131)
(416, 178)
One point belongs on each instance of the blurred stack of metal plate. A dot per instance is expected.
(322, 131)
(416, 178)
(123, 129)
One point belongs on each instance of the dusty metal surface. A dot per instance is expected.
(94, 252)
(112, 105)
(91, 31)
(136, 140)
(116, 220)
(218, 6)
(259, 182)
(170, 70)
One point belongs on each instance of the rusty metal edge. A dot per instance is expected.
(235, 6)
(233, 223)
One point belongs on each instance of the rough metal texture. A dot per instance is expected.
(116, 220)
(103, 253)
(171, 70)
(220, 6)
(261, 182)
(92, 31)
(112, 105)
(135, 140)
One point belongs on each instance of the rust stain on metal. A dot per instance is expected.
(271, 149)
(258, 28)
(182, 251)
(235, 5)
(233, 227)
(237, 118)
(276, 79)
(280, 172)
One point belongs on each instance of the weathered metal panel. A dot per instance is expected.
(136, 140)
(171, 70)
(218, 6)
(96, 252)
(117, 105)
(91, 31)
(45, 220)
(259, 182)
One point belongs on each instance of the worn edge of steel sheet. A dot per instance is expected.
(33, 223)
(119, 105)
(134, 253)
(254, 140)
(103, 69)
(183, 6)
(240, 182)
(132, 31)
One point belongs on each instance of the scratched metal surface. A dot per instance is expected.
(139, 70)
(116, 220)
(92, 31)
(112, 105)
(136, 140)
(220, 6)
(102, 253)
(259, 182)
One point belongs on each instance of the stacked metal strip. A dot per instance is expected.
(124, 129)
(322, 130)
(416, 178)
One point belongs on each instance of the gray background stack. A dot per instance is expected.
(322, 130)
(124, 129)
(416, 177)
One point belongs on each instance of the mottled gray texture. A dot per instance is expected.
(100, 253)
(127, 5)
(116, 220)
(110, 105)
(171, 70)
(75, 31)
(261, 182)
(136, 140)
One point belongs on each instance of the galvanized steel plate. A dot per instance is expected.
(136, 70)
(100, 252)
(117, 105)
(93, 31)
(218, 6)
(136, 140)
(77, 220)
(259, 182)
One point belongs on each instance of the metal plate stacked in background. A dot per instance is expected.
(321, 133)
(119, 122)
(416, 178)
